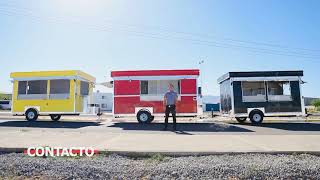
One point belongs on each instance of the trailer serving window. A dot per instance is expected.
(253, 91)
(158, 87)
(32, 89)
(279, 91)
(59, 89)
(154, 90)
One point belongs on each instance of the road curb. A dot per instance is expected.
(177, 154)
(181, 154)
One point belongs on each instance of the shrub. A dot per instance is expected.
(156, 158)
(316, 103)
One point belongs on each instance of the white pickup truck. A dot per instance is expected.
(5, 104)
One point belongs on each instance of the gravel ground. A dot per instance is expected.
(241, 166)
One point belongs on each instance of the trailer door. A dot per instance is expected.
(188, 103)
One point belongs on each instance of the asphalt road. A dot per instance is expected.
(204, 126)
(193, 135)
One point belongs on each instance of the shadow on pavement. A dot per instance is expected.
(48, 124)
(289, 126)
(182, 128)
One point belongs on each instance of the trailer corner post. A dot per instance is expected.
(48, 89)
(74, 95)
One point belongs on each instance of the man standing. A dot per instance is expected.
(170, 100)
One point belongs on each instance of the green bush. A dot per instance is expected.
(5, 97)
(156, 158)
(316, 103)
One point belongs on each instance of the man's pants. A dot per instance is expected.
(170, 109)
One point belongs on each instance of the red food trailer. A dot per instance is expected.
(140, 93)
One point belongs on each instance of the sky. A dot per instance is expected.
(100, 36)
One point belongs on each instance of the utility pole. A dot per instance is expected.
(201, 74)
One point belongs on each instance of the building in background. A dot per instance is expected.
(211, 103)
(5, 100)
(104, 100)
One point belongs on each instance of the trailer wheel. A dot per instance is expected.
(256, 117)
(55, 117)
(241, 119)
(31, 115)
(144, 117)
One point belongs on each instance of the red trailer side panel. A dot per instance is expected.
(188, 104)
(127, 87)
(157, 105)
(125, 105)
(188, 86)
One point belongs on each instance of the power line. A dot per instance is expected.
(160, 36)
(166, 29)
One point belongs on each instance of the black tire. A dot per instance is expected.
(144, 117)
(241, 119)
(256, 117)
(55, 117)
(31, 115)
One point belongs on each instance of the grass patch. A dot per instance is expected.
(156, 158)
(103, 154)
(313, 109)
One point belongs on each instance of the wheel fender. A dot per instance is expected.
(148, 109)
(256, 110)
(37, 108)
(144, 109)
(249, 110)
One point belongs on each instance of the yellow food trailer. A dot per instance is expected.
(52, 93)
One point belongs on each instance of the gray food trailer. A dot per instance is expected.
(260, 94)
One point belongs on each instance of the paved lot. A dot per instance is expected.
(186, 126)
(193, 135)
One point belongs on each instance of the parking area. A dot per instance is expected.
(194, 135)
(186, 125)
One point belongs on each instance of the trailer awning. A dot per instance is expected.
(259, 74)
(181, 72)
(47, 75)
